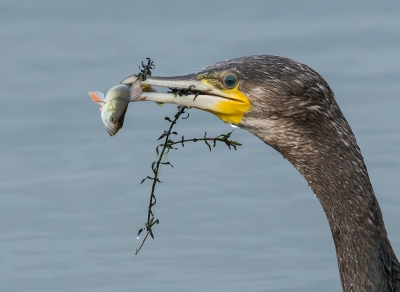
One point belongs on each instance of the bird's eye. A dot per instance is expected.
(230, 80)
(113, 118)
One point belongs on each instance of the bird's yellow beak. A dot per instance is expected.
(206, 92)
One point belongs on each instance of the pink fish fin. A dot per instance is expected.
(101, 109)
(97, 97)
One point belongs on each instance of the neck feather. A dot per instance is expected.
(331, 162)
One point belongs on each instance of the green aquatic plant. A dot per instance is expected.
(167, 145)
(163, 149)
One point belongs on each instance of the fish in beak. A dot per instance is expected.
(115, 104)
(214, 91)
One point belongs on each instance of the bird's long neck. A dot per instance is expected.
(340, 181)
(332, 164)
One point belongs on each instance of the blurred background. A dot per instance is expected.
(245, 220)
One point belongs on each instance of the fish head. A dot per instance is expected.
(115, 107)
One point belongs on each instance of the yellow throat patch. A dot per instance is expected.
(232, 108)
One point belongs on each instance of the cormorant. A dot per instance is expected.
(291, 107)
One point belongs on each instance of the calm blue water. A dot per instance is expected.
(70, 198)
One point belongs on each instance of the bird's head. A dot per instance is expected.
(277, 99)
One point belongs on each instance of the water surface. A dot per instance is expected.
(71, 202)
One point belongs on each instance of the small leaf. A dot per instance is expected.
(205, 141)
(155, 222)
(168, 119)
(162, 136)
(167, 163)
(148, 177)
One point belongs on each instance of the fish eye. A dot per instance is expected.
(113, 118)
(230, 80)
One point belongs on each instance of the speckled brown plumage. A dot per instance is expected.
(294, 111)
